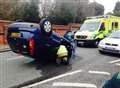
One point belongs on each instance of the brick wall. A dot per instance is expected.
(3, 31)
(62, 29)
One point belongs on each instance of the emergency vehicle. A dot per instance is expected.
(96, 28)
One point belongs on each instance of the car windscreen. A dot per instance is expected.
(115, 35)
(26, 34)
(69, 33)
(90, 26)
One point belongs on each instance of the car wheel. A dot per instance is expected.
(97, 42)
(101, 52)
(46, 25)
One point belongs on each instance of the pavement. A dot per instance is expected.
(4, 48)
(90, 69)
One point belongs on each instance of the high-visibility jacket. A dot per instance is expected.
(101, 34)
(62, 51)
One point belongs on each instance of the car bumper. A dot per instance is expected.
(109, 49)
(86, 42)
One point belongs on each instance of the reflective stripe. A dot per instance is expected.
(101, 34)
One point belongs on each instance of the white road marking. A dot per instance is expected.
(85, 85)
(54, 78)
(118, 64)
(99, 72)
(115, 61)
(15, 58)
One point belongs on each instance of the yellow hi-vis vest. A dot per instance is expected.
(62, 51)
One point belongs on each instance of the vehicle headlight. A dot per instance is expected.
(101, 43)
(118, 44)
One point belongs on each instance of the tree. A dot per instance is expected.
(30, 11)
(46, 7)
(61, 15)
(17, 9)
(109, 13)
(66, 11)
(96, 9)
(117, 9)
(8, 9)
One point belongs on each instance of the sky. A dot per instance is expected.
(108, 4)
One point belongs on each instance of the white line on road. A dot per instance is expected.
(118, 64)
(54, 78)
(15, 58)
(115, 61)
(99, 72)
(85, 85)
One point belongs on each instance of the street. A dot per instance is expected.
(90, 69)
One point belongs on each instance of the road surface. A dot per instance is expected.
(90, 69)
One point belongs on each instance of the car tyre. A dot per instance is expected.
(101, 52)
(97, 42)
(46, 25)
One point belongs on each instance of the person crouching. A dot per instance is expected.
(62, 55)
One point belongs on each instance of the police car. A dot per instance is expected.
(110, 44)
(37, 40)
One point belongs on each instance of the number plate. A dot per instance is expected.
(16, 35)
(109, 48)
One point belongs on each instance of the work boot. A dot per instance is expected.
(58, 62)
(65, 59)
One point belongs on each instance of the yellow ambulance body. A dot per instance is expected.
(96, 28)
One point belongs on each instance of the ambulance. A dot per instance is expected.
(96, 28)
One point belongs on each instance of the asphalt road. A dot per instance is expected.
(90, 69)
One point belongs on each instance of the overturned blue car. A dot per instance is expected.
(39, 41)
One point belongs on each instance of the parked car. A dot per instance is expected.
(37, 40)
(111, 43)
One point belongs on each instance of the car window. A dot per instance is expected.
(26, 35)
(90, 26)
(115, 35)
(102, 27)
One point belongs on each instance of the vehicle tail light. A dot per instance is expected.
(31, 46)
